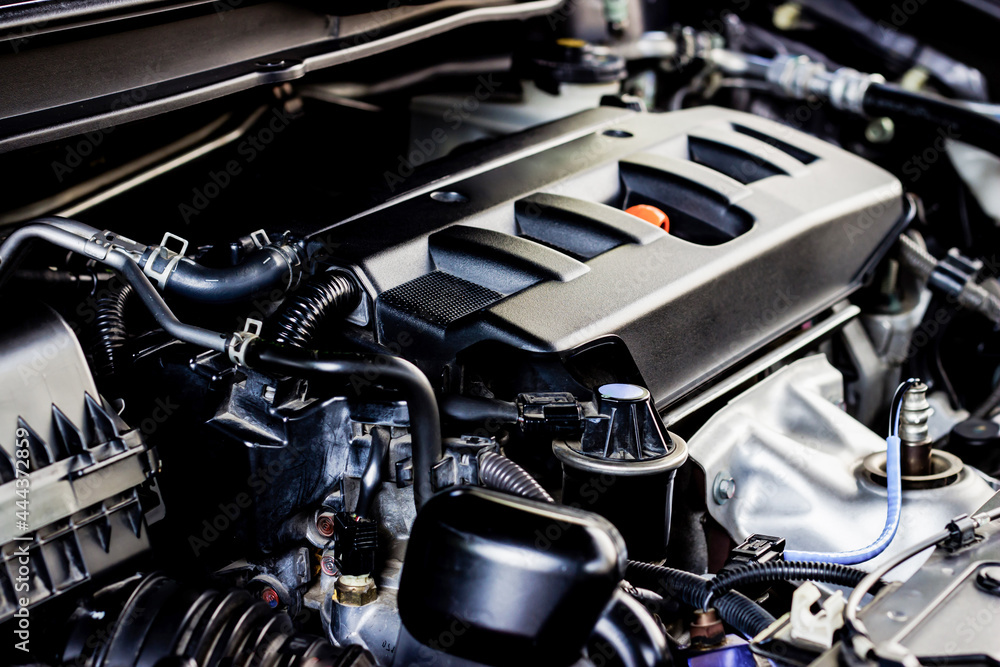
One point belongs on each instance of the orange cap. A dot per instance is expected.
(650, 214)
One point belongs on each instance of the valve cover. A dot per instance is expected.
(529, 244)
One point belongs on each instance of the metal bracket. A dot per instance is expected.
(99, 245)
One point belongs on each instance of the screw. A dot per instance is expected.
(724, 488)
(787, 16)
(328, 565)
(989, 579)
(324, 524)
(880, 130)
(270, 596)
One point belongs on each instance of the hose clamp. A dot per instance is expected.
(799, 77)
(847, 89)
(259, 238)
(290, 254)
(172, 258)
(796, 76)
(240, 341)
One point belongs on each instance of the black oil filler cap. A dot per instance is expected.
(507, 580)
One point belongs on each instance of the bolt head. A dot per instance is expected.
(325, 525)
(328, 565)
(270, 596)
(880, 130)
(724, 488)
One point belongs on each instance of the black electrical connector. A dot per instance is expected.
(757, 549)
(961, 532)
(553, 412)
(953, 272)
(356, 541)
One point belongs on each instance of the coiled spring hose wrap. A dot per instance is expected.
(500, 473)
(739, 611)
(109, 329)
(324, 296)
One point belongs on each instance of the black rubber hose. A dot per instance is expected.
(264, 273)
(322, 298)
(501, 474)
(631, 633)
(970, 127)
(776, 571)
(739, 611)
(110, 334)
(363, 370)
(371, 479)
(473, 409)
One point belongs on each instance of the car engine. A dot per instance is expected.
(499, 332)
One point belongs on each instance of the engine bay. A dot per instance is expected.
(498, 333)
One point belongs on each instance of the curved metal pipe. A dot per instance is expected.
(363, 370)
(57, 232)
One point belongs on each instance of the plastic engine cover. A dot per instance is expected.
(527, 241)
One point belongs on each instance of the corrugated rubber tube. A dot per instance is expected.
(500, 473)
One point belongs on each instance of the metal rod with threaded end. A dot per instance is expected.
(913, 431)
